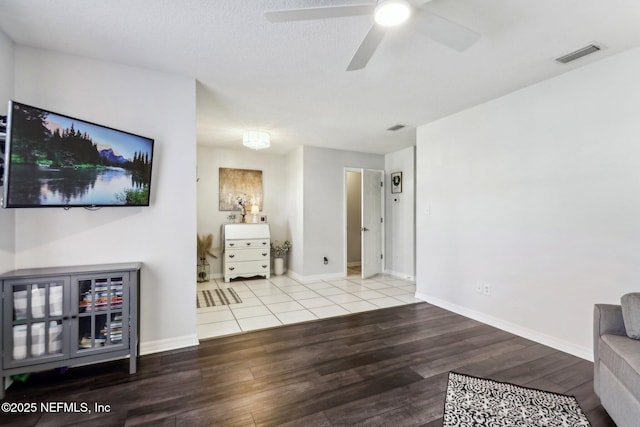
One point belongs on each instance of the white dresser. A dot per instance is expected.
(247, 250)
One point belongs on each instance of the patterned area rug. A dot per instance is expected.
(473, 401)
(215, 297)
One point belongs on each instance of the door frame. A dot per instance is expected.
(344, 216)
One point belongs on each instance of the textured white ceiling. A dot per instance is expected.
(290, 78)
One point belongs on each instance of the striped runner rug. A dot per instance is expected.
(215, 297)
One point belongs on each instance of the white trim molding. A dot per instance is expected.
(533, 335)
(315, 278)
(400, 275)
(166, 344)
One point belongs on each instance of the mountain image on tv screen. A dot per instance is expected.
(56, 160)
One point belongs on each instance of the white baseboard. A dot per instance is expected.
(340, 276)
(400, 275)
(168, 344)
(533, 335)
(315, 278)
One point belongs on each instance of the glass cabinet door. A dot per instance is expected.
(36, 311)
(100, 313)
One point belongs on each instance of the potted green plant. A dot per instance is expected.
(279, 251)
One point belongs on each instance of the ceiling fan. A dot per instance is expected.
(387, 13)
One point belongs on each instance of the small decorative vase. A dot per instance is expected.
(278, 266)
(203, 270)
(243, 213)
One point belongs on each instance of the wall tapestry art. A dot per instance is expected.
(236, 182)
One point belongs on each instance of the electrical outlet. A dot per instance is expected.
(486, 289)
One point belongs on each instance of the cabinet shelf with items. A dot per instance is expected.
(100, 312)
(102, 295)
(68, 316)
(35, 312)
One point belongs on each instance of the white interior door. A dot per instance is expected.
(371, 230)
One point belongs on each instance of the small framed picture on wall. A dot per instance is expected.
(396, 182)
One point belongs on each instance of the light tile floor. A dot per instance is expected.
(281, 300)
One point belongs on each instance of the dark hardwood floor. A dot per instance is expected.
(380, 368)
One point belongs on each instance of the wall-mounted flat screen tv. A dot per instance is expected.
(53, 160)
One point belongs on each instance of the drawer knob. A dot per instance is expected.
(232, 268)
(232, 244)
(264, 266)
(264, 243)
(264, 254)
(248, 243)
(231, 255)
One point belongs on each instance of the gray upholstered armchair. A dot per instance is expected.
(616, 365)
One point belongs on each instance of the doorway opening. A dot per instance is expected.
(354, 222)
(364, 222)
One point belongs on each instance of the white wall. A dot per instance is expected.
(7, 217)
(324, 211)
(400, 215)
(162, 236)
(303, 195)
(295, 208)
(354, 217)
(274, 183)
(537, 195)
(6, 72)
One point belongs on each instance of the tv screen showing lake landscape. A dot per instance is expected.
(56, 160)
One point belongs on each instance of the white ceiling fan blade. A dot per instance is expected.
(367, 48)
(319, 12)
(444, 31)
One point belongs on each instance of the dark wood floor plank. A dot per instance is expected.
(416, 414)
(546, 366)
(429, 352)
(342, 336)
(573, 375)
(274, 416)
(458, 360)
(429, 330)
(376, 406)
(599, 417)
(319, 419)
(381, 368)
(208, 416)
(493, 366)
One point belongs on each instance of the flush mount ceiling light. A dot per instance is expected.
(256, 139)
(390, 13)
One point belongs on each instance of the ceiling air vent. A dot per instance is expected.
(396, 127)
(592, 48)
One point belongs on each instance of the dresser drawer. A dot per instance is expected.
(239, 268)
(247, 243)
(247, 251)
(253, 254)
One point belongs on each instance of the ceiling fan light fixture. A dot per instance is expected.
(256, 139)
(390, 13)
